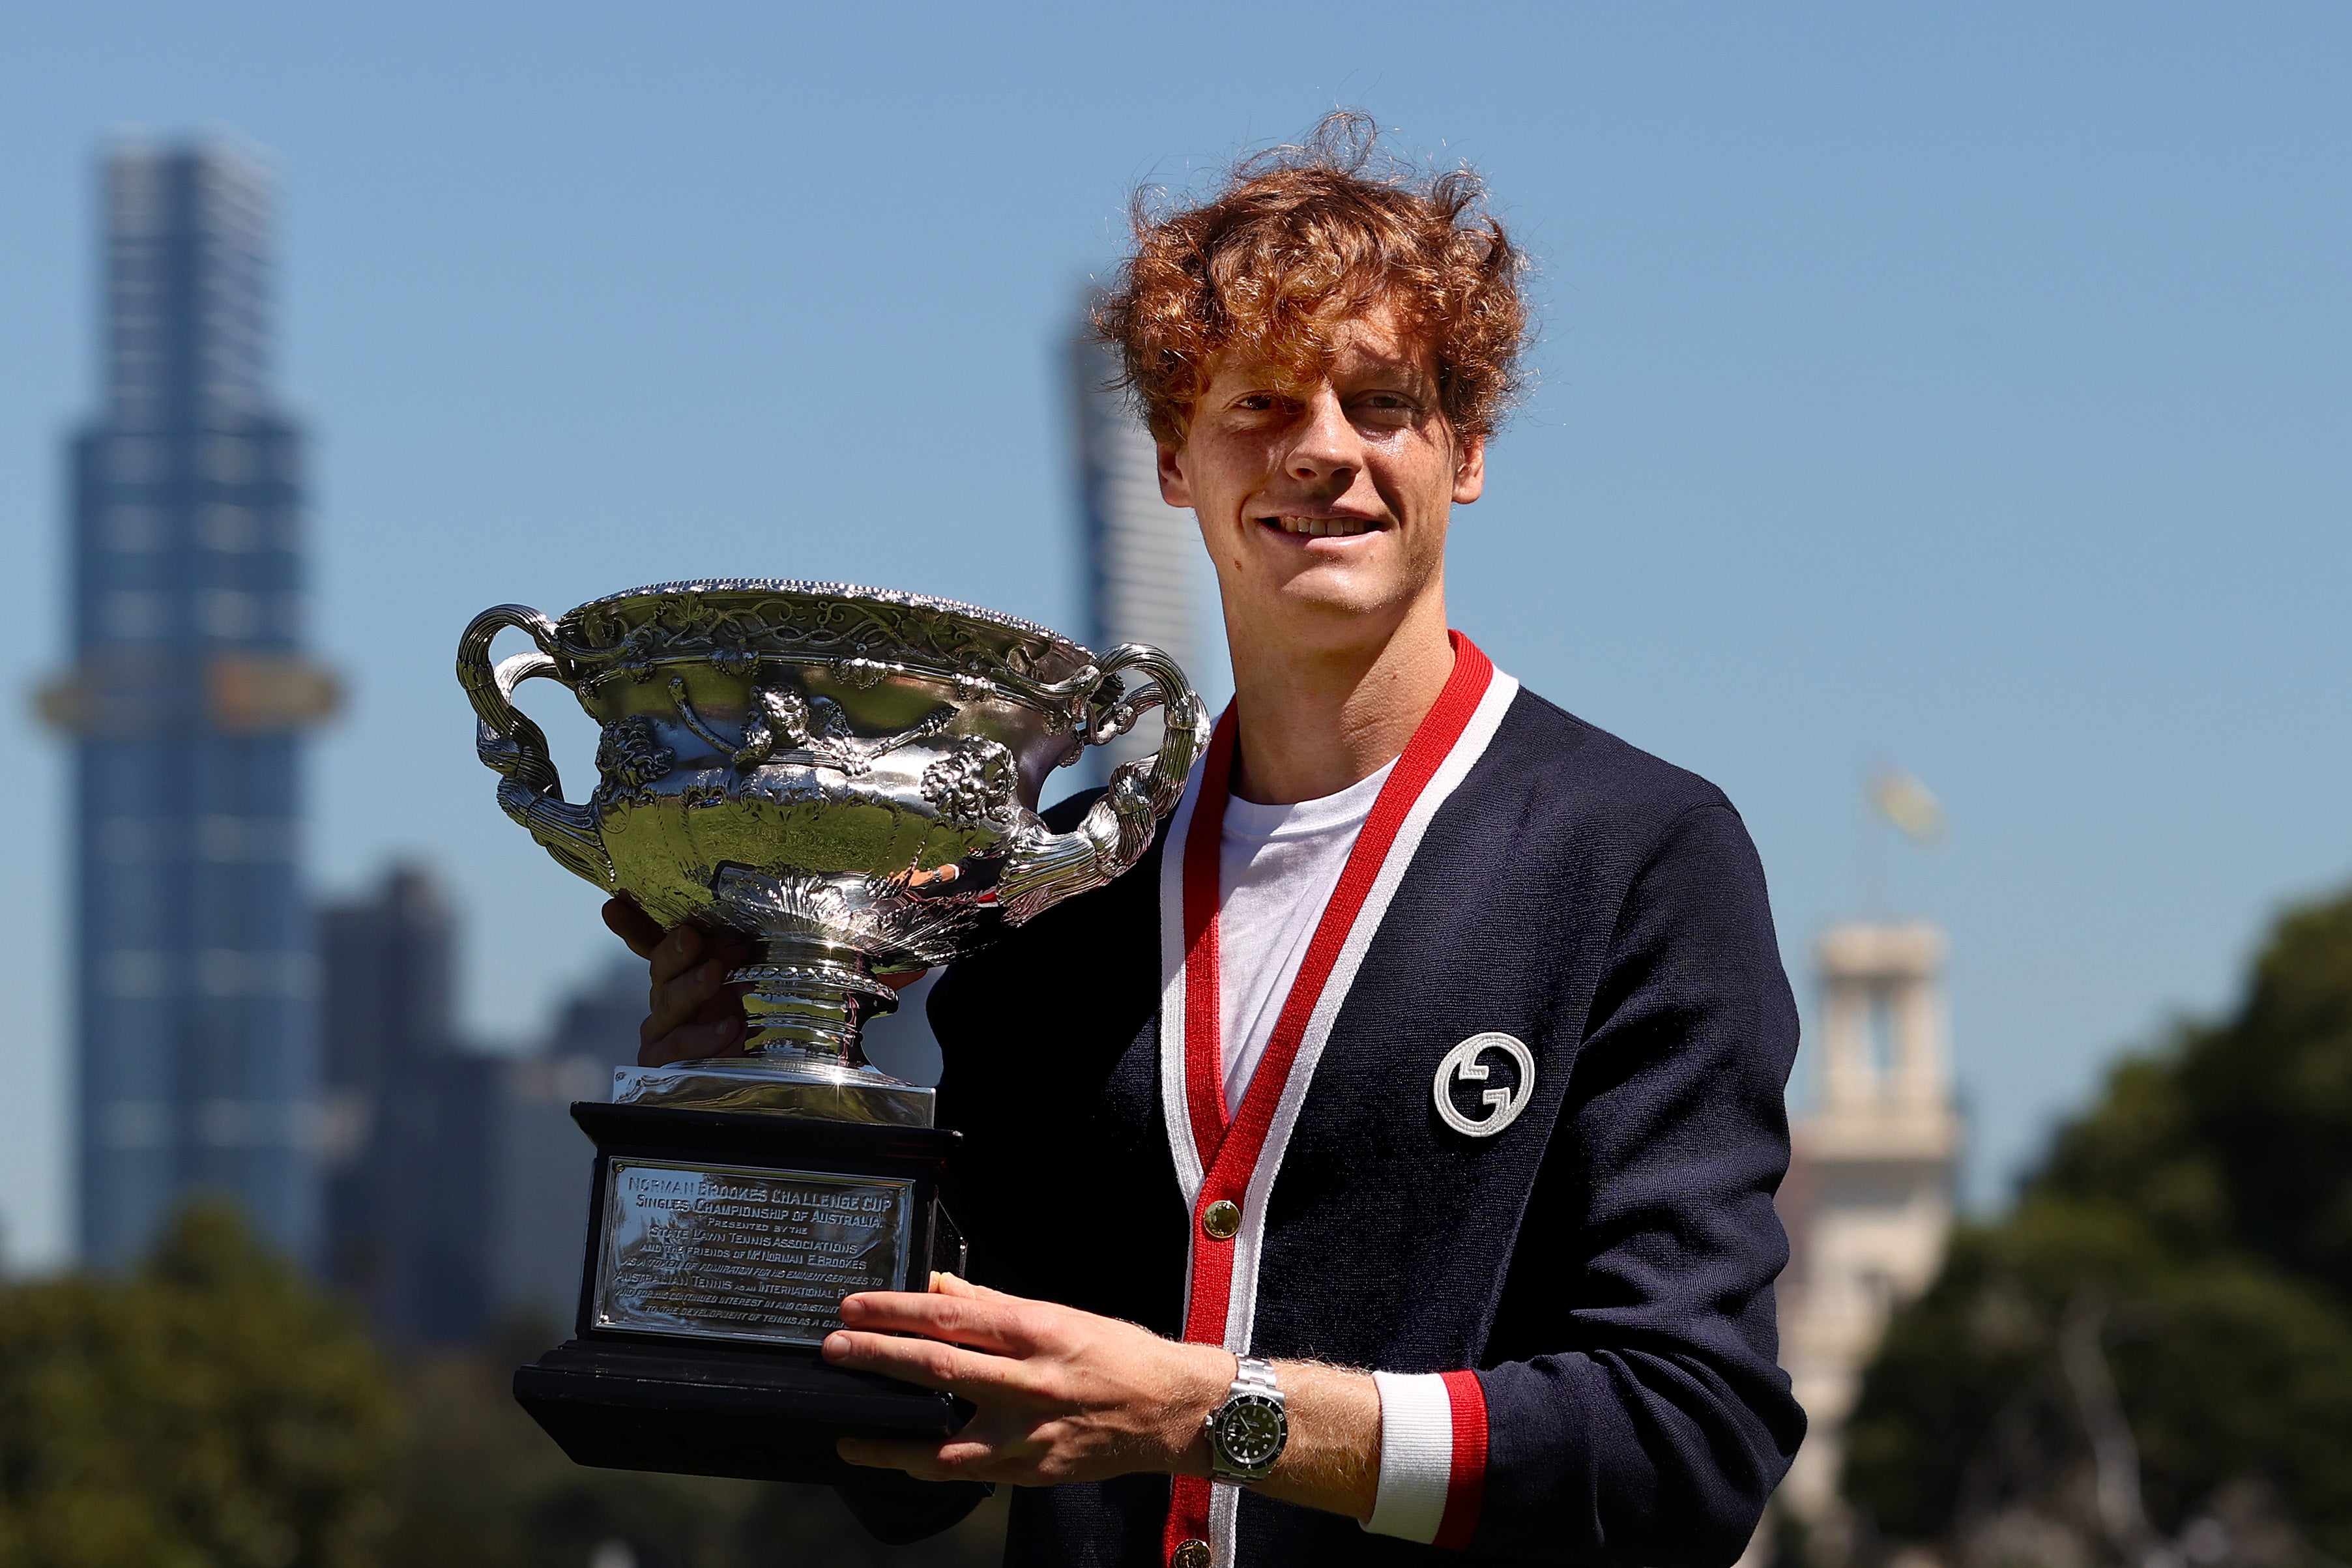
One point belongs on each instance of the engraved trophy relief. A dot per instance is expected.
(850, 778)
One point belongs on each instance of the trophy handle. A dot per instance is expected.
(510, 744)
(1046, 867)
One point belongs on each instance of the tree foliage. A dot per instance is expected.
(2239, 1136)
(486, 1488)
(2192, 1234)
(216, 1410)
(212, 1411)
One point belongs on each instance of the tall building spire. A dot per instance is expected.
(187, 689)
(187, 286)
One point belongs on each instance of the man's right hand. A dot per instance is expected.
(693, 1012)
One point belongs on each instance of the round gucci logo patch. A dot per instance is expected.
(1469, 1063)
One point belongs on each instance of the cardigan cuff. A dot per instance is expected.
(1433, 1457)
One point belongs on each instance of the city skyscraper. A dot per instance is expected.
(410, 1119)
(543, 1162)
(188, 688)
(1140, 555)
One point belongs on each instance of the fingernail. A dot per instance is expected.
(835, 1345)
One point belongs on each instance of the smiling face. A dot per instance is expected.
(1325, 506)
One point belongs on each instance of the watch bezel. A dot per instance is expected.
(1228, 1427)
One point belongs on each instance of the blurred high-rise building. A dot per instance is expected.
(1142, 555)
(542, 1160)
(186, 695)
(410, 1119)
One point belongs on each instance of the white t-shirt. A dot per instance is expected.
(1276, 868)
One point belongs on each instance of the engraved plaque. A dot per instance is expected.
(735, 1253)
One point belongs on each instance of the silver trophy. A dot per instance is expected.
(850, 777)
(847, 775)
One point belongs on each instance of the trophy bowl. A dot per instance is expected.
(848, 776)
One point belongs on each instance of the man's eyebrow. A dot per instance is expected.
(1394, 378)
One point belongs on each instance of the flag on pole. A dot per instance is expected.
(1909, 805)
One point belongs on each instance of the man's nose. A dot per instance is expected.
(1328, 447)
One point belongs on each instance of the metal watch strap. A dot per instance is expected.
(1254, 1375)
(1254, 1382)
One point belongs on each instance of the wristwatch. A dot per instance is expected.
(1248, 1431)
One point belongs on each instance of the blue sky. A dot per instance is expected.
(1963, 388)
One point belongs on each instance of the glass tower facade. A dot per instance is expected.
(185, 697)
(410, 1119)
(1143, 556)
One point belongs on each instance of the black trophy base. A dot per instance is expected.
(624, 1395)
(753, 1415)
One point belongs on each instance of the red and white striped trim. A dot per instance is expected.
(1232, 1154)
(1433, 1457)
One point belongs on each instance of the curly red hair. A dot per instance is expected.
(1299, 241)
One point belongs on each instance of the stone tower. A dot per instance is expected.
(1869, 1197)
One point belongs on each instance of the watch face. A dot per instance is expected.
(1251, 1432)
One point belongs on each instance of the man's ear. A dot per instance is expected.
(1173, 488)
(1469, 479)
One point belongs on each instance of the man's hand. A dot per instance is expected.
(692, 1011)
(1063, 1395)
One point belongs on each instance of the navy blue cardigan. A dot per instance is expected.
(1604, 1265)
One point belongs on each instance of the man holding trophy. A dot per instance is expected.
(1389, 1157)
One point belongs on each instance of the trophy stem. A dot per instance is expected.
(810, 1012)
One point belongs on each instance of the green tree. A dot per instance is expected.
(485, 1488)
(213, 1411)
(2240, 1134)
(2162, 1329)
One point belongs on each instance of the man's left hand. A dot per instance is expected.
(1062, 1396)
